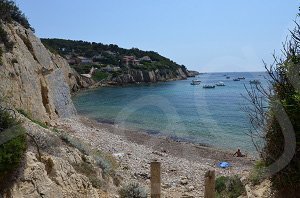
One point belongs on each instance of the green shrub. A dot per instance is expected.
(229, 187)
(257, 173)
(12, 144)
(106, 162)
(5, 40)
(76, 143)
(133, 190)
(99, 75)
(90, 172)
(27, 115)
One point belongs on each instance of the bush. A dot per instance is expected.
(257, 173)
(133, 190)
(5, 40)
(106, 162)
(229, 187)
(99, 75)
(76, 143)
(12, 144)
(90, 172)
(27, 115)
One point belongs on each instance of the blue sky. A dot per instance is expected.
(204, 35)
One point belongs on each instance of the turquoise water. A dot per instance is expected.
(177, 109)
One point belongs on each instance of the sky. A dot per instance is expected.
(204, 35)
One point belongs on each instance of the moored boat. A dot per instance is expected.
(236, 79)
(195, 82)
(220, 84)
(209, 86)
(254, 82)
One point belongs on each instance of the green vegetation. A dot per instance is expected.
(257, 173)
(5, 40)
(27, 115)
(110, 54)
(133, 190)
(229, 187)
(12, 144)
(99, 75)
(89, 171)
(105, 161)
(10, 12)
(282, 117)
(76, 143)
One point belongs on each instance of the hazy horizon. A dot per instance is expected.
(206, 36)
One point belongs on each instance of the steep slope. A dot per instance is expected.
(35, 80)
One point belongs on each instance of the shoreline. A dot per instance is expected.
(158, 134)
(183, 164)
(162, 142)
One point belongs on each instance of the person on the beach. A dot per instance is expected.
(238, 153)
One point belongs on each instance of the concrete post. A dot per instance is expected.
(210, 184)
(155, 180)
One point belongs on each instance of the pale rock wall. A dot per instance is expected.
(34, 79)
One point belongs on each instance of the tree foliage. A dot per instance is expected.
(9, 12)
(284, 79)
(90, 49)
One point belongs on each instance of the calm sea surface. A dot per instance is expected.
(177, 109)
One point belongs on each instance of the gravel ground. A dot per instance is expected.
(183, 164)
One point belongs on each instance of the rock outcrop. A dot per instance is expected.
(54, 175)
(36, 80)
(137, 76)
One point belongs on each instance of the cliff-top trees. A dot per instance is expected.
(10, 12)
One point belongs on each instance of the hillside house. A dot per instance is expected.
(130, 60)
(145, 58)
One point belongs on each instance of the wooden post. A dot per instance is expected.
(155, 180)
(210, 184)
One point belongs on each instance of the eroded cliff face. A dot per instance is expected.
(34, 79)
(135, 76)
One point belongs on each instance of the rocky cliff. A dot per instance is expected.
(34, 79)
(136, 76)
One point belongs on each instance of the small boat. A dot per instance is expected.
(241, 78)
(254, 82)
(228, 77)
(236, 79)
(209, 86)
(195, 82)
(220, 84)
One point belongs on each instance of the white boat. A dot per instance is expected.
(195, 82)
(209, 86)
(220, 84)
(254, 82)
(236, 79)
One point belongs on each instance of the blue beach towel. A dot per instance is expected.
(223, 164)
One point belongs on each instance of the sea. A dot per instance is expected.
(181, 111)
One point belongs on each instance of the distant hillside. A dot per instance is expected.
(110, 54)
(116, 65)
